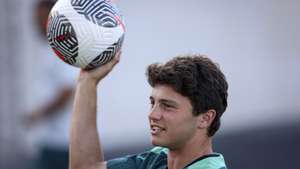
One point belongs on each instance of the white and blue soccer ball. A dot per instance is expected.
(85, 33)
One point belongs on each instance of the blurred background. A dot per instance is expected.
(256, 43)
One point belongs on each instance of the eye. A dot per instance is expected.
(166, 106)
(151, 103)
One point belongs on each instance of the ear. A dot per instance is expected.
(205, 119)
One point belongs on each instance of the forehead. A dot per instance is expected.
(166, 92)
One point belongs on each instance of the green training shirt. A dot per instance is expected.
(157, 159)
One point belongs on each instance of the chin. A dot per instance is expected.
(158, 142)
(155, 143)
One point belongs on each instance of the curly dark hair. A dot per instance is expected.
(199, 79)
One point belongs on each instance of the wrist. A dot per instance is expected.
(88, 82)
(87, 77)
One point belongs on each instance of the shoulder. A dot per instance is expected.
(154, 158)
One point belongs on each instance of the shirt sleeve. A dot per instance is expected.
(149, 160)
(126, 162)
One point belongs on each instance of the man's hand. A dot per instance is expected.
(97, 74)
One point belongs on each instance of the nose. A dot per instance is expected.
(155, 113)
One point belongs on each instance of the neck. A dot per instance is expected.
(181, 157)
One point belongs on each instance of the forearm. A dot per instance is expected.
(85, 149)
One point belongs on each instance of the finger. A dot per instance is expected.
(116, 59)
(118, 56)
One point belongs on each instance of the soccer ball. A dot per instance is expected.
(85, 33)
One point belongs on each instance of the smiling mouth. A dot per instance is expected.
(156, 130)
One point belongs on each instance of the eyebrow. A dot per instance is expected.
(165, 101)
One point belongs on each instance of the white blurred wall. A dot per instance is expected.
(11, 84)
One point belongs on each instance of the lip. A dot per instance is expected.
(157, 126)
(156, 129)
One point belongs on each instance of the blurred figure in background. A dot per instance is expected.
(53, 87)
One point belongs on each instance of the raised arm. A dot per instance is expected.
(85, 148)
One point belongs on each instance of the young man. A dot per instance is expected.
(188, 98)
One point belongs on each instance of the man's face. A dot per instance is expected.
(171, 120)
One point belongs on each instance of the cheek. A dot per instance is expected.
(180, 132)
(181, 125)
